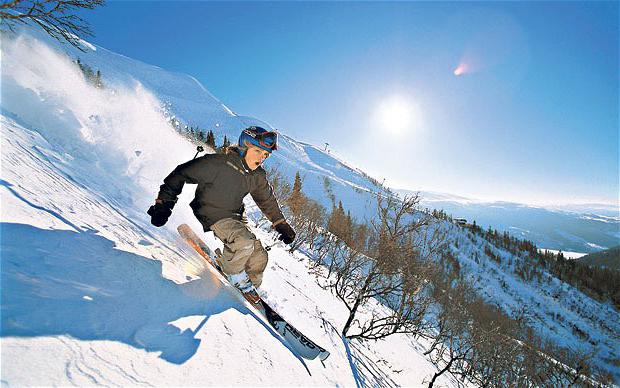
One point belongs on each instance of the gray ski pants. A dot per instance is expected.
(242, 250)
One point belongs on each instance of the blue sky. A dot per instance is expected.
(534, 117)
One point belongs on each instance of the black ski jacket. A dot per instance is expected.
(223, 181)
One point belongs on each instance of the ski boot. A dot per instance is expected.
(218, 256)
(243, 283)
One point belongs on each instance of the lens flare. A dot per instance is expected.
(461, 69)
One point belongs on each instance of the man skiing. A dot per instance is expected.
(223, 181)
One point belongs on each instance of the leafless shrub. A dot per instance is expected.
(280, 186)
(478, 343)
(387, 268)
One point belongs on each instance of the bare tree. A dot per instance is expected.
(404, 304)
(480, 344)
(389, 269)
(56, 17)
(305, 215)
(280, 186)
(308, 223)
(450, 348)
(546, 364)
(330, 251)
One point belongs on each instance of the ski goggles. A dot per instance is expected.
(268, 140)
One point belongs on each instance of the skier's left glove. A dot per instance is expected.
(160, 212)
(287, 234)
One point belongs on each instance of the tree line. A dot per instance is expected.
(601, 284)
(91, 76)
(199, 136)
(395, 275)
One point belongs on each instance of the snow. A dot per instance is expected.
(92, 294)
(554, 309)
(568, 254)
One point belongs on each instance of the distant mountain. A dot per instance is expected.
(609, 258)
(575, 228)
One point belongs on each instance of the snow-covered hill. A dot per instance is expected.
(92, 294)
(555, 309)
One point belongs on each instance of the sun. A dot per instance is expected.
(396, 115)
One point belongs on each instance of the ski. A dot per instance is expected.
(302, 344)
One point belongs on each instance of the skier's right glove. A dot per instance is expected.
(160, 212)
(287, 234)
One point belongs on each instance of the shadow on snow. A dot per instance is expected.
(59, 282)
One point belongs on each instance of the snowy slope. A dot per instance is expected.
(556, 310)
(92, 294)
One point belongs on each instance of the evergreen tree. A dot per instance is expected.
(225, 145)
(337, 223)
(211, 140)
(296, 199)
(98, 82)
(200, 136)
(90, 75)
(348, 228)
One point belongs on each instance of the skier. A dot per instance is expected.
(223, 181)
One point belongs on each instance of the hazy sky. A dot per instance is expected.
(494, 100)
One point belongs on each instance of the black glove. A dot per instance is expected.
(287, 234)
(160, 212)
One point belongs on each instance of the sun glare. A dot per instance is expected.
(461, 69)
(396, 115)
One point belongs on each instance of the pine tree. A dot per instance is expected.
(211, 140)
(98, 82)
(225, 145)
(337, 222)
(348, 228)
(200, 136)
(296, 199)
